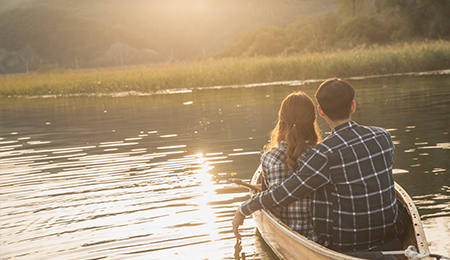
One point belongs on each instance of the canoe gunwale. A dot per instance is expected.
(419, 234)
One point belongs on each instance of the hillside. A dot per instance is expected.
(87, 33)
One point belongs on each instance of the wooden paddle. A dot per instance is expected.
(256, 188)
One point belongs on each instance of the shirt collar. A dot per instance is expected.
(283, 145)
(344, 127)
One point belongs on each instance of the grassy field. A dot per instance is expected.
(362, 61)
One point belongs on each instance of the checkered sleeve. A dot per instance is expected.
(309, 177)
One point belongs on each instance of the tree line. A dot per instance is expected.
(354, 23)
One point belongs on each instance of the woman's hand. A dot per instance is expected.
(238, 221)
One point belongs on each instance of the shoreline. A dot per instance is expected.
(185, 90)
(363, 62)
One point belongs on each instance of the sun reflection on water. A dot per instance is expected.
(207, 192)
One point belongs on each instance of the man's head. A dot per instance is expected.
(335, 98)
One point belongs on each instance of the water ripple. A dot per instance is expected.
(116, 204)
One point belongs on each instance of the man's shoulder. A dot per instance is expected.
(372, 129)
(346, 138)
(329, 144)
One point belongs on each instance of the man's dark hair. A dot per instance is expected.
(335, 98)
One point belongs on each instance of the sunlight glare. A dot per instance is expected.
(205, 212)
(200, 7)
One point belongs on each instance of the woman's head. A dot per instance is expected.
(297, 109)
(296, 125)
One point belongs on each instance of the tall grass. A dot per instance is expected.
(362, 61)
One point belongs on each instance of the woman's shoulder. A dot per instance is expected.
(274, 155)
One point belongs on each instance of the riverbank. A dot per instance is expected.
(362, 61)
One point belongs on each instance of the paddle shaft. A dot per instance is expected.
(242, 183)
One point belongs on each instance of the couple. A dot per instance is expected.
(338, 192)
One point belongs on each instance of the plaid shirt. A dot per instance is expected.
(354, 205)
(296, 215)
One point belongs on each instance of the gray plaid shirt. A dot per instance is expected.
(350, 174)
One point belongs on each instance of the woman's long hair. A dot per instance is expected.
(296, 124)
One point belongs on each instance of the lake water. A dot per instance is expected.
(144, 176)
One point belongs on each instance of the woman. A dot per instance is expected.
(296, 132)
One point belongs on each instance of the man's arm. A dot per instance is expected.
(309, 177)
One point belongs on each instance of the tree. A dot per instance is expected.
(363, 29)
(417, 18)
(353, 7)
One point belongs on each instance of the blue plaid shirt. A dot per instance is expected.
(349, 176)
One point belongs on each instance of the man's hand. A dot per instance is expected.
(237, 221)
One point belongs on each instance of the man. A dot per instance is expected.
(349, 175)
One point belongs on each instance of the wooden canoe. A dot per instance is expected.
(288, 244)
